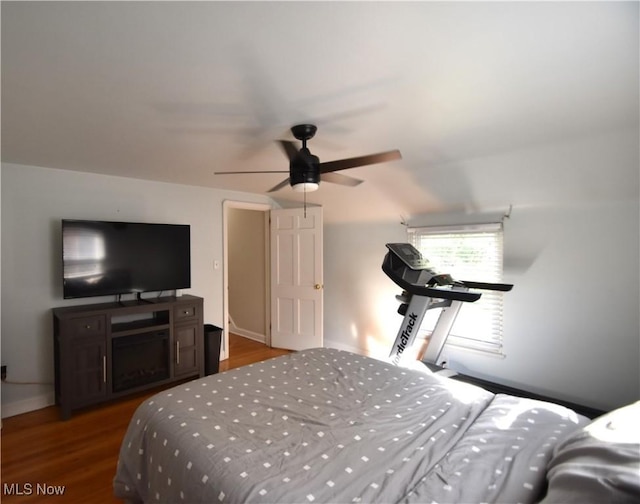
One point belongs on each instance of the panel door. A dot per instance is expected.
(296, 278)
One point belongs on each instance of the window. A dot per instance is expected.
(472, 253)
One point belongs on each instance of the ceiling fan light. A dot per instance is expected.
(305, 187)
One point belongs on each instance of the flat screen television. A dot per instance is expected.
(102, 258)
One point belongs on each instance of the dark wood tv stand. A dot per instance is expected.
(109, 350)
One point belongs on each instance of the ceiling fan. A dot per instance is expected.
(306, 171)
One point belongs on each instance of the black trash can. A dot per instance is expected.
(212, 340)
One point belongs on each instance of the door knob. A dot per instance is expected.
(318, 286)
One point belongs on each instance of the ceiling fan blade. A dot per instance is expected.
(246, 172)
(343, 164)
(338, 178)
(282, 184)
(289, 148)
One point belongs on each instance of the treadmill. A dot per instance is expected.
(425, 289)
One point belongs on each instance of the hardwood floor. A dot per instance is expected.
(244, 351)
(78, 456)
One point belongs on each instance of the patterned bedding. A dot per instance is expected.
(325, 425)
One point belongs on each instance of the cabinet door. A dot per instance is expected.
(89, 370)
(186, 350)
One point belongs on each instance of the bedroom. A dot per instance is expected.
(561, 146)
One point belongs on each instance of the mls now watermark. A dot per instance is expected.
(32, 489)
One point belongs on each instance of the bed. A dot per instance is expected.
(325, 425)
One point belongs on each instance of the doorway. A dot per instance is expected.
(246, 272)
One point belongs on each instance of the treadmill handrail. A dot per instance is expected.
(418, 290)
(488, 286)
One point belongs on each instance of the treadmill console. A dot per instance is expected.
(405, 265)
(408, 254)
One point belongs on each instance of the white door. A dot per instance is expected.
(296, 278)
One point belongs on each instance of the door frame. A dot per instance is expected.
(243, 205)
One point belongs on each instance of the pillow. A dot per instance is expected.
(598, 463)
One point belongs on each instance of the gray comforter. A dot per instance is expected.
(324, 425)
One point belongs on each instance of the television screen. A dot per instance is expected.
(103, 258)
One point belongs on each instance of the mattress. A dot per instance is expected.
(325, 425)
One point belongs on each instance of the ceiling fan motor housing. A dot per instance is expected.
(305, 169)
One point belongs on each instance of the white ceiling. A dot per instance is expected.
(174, 91)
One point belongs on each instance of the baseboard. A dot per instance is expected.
(245, 333)
(27, 405)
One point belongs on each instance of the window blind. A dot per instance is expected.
(472, 253)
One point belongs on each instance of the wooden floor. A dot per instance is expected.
(78, 456)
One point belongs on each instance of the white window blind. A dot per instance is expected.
(472, 253)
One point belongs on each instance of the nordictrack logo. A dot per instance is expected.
(405, 337)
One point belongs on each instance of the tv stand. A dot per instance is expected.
(109, 350)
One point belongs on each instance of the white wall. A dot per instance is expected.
(34, 200)
(1, 359)
(359, 299)
(571, 322)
